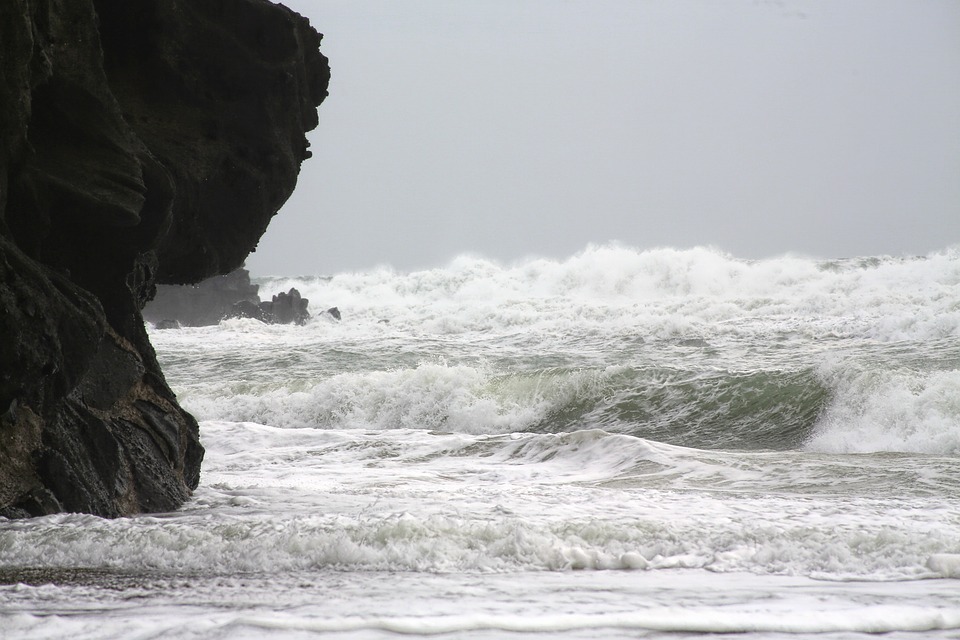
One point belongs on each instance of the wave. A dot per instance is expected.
(704, 410)
(904, 408)
(885, 298)
(843, 407)
(414, 501)
(694, 348)
(408, 542)
(718, 409)
(862, 619)
(403, 604)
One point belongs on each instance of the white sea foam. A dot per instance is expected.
(883, 298)
(479, 347)
(587, 605)
(877, 619)
(945, 564)
(884, 409)
(308, 500)
(430, 395)
(868, 407)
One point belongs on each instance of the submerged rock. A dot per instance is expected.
(140, 143)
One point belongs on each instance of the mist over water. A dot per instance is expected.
(593, 446)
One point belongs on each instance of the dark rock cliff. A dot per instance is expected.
(140, 143)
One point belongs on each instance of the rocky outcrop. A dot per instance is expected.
(202, 304)
(284, 308)
(220, 297)
(140, 143)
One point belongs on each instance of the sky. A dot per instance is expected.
(512, 129)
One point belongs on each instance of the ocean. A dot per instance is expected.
(621, 444)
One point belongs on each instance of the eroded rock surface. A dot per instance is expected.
(140, 143)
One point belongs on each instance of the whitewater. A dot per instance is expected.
(625, 443)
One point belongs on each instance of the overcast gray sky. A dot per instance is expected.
(515, 128)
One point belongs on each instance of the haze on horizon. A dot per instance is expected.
(524, 128)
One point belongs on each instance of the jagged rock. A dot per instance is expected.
(247, 309)
(335, 312)
(140, 143)
(286, 308)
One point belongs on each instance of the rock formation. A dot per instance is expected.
(202, 304)
(140, 143)
(285, 308)
(227, 296)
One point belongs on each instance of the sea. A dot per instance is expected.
(624, 443)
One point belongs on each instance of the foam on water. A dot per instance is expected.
(842, 406)
(690, 347)
(889, 409)
(570, 605)
(883, 619)
(660, 291)
(416, 501)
